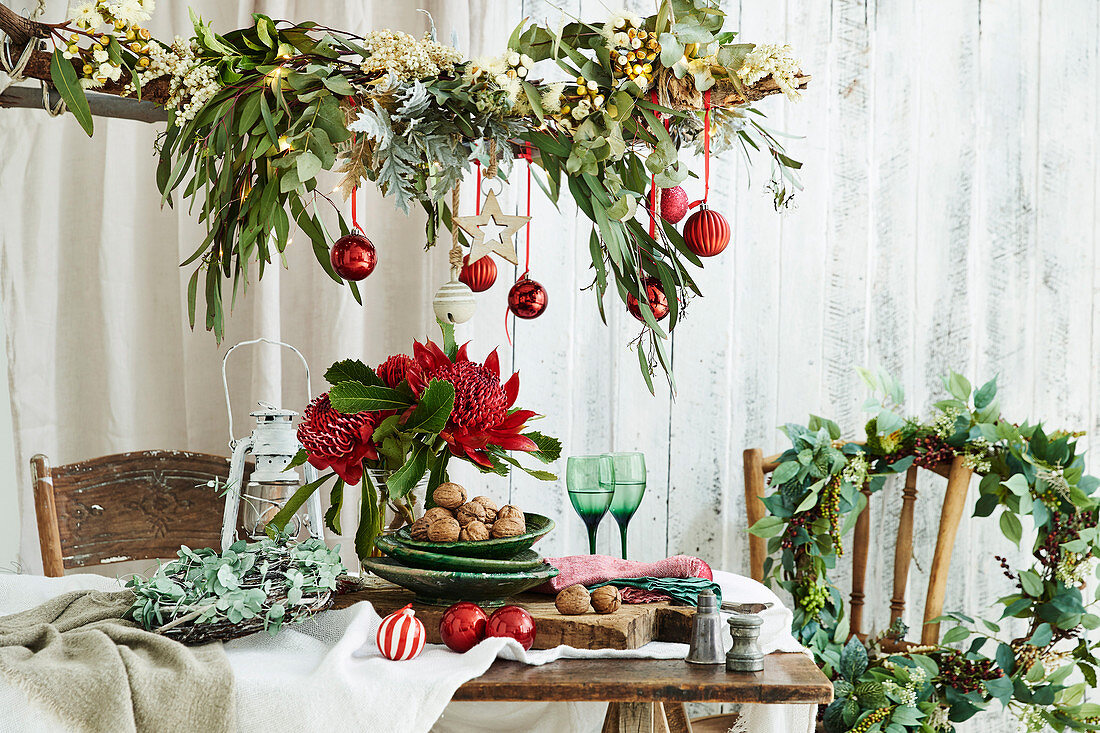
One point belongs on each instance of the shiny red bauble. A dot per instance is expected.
(706, 232)
(655, 294)
(353, 257)
(463, 626)
(527, 299)
(514, 623)
(674, 204)
(479, 275)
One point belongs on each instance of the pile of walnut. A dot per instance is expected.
(575, 600)
(453, 518)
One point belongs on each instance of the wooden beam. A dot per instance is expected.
(21, 29)
(101, 105)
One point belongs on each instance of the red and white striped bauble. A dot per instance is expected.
(401, 635)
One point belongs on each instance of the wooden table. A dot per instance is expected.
(645, 695)
(648, 694)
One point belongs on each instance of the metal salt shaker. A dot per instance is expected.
(745, 655)
(706, 631)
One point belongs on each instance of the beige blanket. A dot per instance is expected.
(75, 656)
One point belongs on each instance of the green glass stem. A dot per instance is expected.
(622, 534)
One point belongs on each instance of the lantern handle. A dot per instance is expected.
(225, 378)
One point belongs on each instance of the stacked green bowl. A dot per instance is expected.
(485, 572)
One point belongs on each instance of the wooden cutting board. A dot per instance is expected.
(632, 626)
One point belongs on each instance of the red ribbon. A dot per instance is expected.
(354, 210)
(706, 151)
(477, 196)
(525, 155)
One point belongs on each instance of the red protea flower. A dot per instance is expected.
(394, 369)
(337, 440)
(480, 416)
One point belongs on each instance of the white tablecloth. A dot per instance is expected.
(327, 674)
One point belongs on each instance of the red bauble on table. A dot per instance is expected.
(514, 623)
(655, 294)
(527, 299)
(478, 275)
(674, 204)
(353, 257)
(463, 626)
(706, 232)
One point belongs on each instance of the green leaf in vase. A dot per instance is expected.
(351, 397)
(433, 409)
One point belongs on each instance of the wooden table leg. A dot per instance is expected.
(676, 715)
(638, 717)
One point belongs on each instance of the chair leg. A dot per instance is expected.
(639, 717)
(611, 719)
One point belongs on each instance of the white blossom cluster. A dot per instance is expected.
(855, 472)
(92, 14)
(123, 16)
(192, 84)
(1031, 720)
(778, 62)
(944, 424)
(976, 455)
(1074, 569)
(507, 71)
(401, 54)
(938, 720)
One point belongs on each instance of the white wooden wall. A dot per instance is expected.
(949, 221)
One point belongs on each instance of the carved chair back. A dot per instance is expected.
(129, 506)
(757, 467)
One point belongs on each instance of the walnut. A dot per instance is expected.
(449, 496)
(475, 531)
(471, 511)
(436, 513)
(510, 512)
(606, 599)
(490, 508)
(508, 528)
(443, 530)
(419, 528)
(573, 601)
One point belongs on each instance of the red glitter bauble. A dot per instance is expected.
(674, 204)
(658, 301)
(527, 299)
(706, 232)
(353, 257)
(463, 626)
(478, 275)
(514, 623)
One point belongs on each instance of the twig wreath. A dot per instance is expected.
(255, 114)
(1026, 472)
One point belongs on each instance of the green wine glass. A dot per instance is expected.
(589, 497)
(625, 473)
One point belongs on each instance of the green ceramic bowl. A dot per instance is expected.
(502, 549)
(416, 558)
(444, 587)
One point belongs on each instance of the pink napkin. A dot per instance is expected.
(591, 569)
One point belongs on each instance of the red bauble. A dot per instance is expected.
(514, 623)
(463, 626)
(658, 301)
(353, 257)
(674, 204)
(527, 299)
(706, 232)
(478, 275)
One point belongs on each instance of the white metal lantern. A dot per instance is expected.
(273, 445)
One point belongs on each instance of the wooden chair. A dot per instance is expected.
(954, 502)
(130, 506)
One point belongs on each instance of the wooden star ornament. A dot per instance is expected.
(492, 231)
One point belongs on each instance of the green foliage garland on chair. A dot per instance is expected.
(1027, 473)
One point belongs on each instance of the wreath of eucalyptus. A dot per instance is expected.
(1028, 474)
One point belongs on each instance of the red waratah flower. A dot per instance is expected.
(337, 440)
(480, 416)
(394, 370)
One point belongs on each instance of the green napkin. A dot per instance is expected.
(684, 591)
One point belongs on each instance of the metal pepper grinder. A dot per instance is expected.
(745, 655)
(706, 631)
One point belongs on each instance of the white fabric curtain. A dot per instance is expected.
(101, 357)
